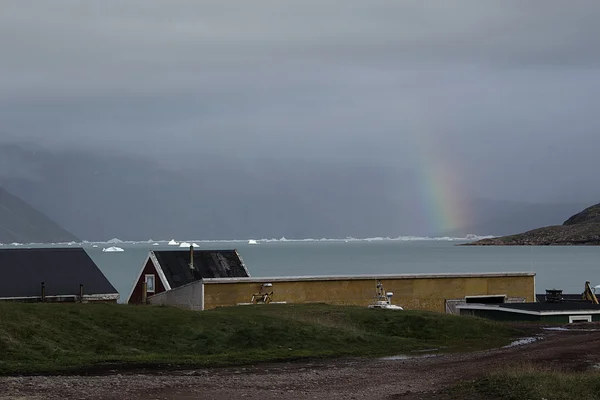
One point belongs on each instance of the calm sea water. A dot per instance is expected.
(566, 268)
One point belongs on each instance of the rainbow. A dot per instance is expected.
(440, 199)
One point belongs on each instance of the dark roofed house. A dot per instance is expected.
(56, 274)
(167, 270)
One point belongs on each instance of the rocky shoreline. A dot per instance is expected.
(582, 229)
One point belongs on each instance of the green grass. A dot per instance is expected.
(68, 337)
(535, 383)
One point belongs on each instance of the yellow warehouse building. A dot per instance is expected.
(433, 292)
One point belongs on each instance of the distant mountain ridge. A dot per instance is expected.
(500, 218)
(101, 195)
(582, 228)
(21, 223)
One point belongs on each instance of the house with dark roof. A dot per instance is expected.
(53, 275)
(182, 272)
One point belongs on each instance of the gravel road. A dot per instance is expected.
(410, 379)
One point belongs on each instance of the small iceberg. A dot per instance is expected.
(112, 249)
(252, 241)
(94, 246)
(186, 244)
(155, 244)
(173, 242)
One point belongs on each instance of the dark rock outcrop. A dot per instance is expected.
(581, 229)
(589, 215)
(21, 223)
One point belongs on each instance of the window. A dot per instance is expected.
(491, 299)
(579, 318)
(150, 283)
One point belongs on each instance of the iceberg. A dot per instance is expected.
(114, 241)
(155, 244)
(186, 244)
(112, 249)
(252, 241)
(173, 242)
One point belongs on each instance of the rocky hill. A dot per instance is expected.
(581, 229)
(21, 223)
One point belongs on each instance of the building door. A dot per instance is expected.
(451, 305)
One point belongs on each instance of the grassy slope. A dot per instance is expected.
(532, 383)
(55, 337)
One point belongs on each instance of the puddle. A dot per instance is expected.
(425, 351)
(407, 357)
(522, 342)
(560, 328)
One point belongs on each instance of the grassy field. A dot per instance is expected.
(38, 338)
(534, 383)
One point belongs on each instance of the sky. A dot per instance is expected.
(500, 96)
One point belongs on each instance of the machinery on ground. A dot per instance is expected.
(264, 296)
(589, 294)
(383, 299)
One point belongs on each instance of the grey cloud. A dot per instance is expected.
(144, 46)
(471, 83)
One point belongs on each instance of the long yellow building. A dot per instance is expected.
(433, 292)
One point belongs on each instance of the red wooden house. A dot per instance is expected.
(170, 269)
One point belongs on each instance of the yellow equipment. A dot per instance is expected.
(264, 296)
(589, 294)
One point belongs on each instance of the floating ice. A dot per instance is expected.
(112, 249)
(95, 246)
(383, 239)
(252, 241)
(186, 244)
(173, 242)
(155, 244)
(114, 241)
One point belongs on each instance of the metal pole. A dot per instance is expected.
(81, 293)
(43, 291)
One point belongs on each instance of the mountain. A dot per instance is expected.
(582, 228)
(21, 223)
(101, 195)
(499, 218)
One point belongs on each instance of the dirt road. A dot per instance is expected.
(411, 379)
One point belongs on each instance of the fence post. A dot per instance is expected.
(144, 292)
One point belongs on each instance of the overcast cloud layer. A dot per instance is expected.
(502, 93)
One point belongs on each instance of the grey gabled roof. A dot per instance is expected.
(62, 270)
(207, 264)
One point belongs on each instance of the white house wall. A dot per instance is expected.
(190, 296)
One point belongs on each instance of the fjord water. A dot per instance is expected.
(565, 267)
